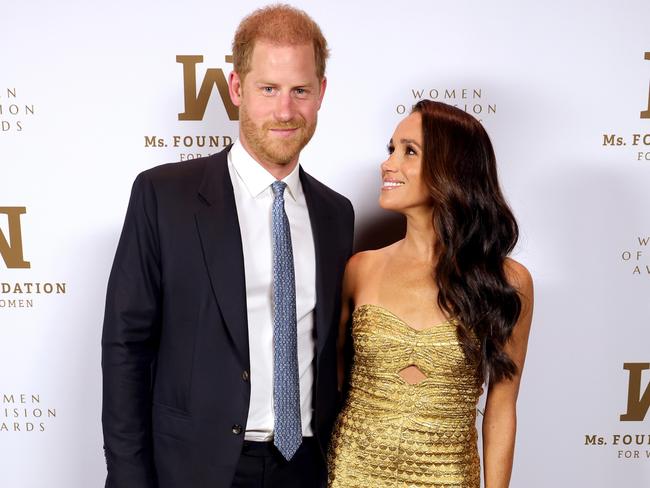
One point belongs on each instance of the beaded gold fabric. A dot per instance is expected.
(394, 434)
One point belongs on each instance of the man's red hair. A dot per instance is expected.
(281, 25)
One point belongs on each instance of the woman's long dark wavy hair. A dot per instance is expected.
(475, 231)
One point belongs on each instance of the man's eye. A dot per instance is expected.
(267, 90)
(301, 92)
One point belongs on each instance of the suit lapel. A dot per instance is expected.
(218, 228)
(325, 249)
(220, 236)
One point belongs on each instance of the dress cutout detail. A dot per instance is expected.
(395, 434)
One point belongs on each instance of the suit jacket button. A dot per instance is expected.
(237, 429)
(244, 375)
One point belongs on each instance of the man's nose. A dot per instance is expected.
(284, 109)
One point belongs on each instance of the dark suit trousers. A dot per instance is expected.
(262, 466)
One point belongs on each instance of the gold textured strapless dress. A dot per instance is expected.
(394, 434)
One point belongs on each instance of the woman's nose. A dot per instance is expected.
(388, 165)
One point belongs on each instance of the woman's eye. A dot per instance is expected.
(390, 149)
(410, 151)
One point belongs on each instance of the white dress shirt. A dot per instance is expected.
(254, 197)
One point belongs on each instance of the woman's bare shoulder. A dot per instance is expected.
(518, 276)
(521, 280)
(364, 266)
(365, 261)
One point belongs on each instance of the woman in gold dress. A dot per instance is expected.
(435, 316)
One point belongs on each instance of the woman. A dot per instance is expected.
(434, 317)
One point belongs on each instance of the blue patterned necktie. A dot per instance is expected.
(286, 387)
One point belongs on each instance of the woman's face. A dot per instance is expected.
(402, 185)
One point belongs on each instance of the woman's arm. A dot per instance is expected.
(500, 419)
(347, 306)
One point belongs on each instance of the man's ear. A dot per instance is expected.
(323, 85)
(235, 88)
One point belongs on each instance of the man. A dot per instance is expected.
(222, 306)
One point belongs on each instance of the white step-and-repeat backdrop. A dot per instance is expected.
(92, 93)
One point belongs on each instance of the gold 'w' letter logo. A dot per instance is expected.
(195, 105)
(12, 249)
(646, 113)
(637, 404)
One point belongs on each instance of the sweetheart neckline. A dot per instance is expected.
(402, 321)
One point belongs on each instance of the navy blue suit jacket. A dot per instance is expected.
(175, 355)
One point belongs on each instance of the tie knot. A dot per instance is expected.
(278, 188)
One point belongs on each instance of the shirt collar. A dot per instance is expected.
(256, 179)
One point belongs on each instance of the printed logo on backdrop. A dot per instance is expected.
(25, 413)
(630, 443)
(14, 111)
(638, 397)
(470, 100)
(199, 87)
(11, 248)
(19, 294)
(636, 258)
(196, 103)
(639, 141)
(645, 114)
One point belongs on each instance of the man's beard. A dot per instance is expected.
(275, 150)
